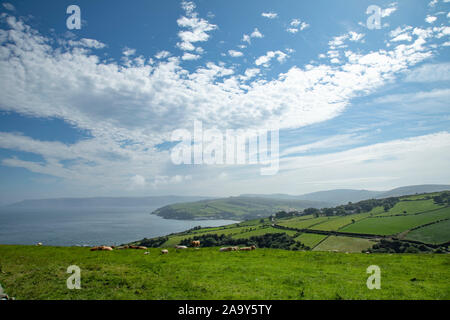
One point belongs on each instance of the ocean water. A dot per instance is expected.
(109, 226)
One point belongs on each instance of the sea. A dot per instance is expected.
(88, 227)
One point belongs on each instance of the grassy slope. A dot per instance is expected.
(233, 208)
(300, 223)
(310, 239)
(339, 222)
(396, 224)
(411, 207)
(344, 244)
(435, 233)
(28, 272)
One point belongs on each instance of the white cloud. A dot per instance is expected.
(390, 164)
(186, 46)
(433, 3)
(354, 36)
(339, 41)
(297, 25)
(197, 28)
(8, 6)
(401, 34)
(87, 43)
(434, 95)
(234, 53)
(129, 109)
(269, 15)
(430, 73)
(295, 22)
(389, 10)
(256, 34)
(264, 60)
(162, 54)
(303, 26)
(331, 142)
(190, 56)
(430, 19)
(250, 73)
(128, 52)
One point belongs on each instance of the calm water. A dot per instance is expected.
(89, 226)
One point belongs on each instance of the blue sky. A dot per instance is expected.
(90, 112)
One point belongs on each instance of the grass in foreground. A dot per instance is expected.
(28, 272)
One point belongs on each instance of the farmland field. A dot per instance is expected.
(261, 231)
(411, 207)
(436, 233)
(30, 272)
(396, 224)
(344, 244)
(339, 222)
(310, 239)
(300, 223)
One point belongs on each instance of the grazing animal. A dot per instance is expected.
(180, 247)
(146, 252)
(164, 251)
(138, 247)
(39, 244)
(102, 248)
(248, 248)
(224, 249)
(195, 243)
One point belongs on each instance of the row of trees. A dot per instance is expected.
(396, 246)
(351, 208)
(443, 198)
(268, 240)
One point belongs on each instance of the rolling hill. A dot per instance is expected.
(414, 222)
(343, 196)
(97, 202)
(238, 208)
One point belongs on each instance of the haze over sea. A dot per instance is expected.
(70, 227)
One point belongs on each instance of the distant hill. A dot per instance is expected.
(424, 188)
(239, 208)
(99, 202)
(343, 196)
(270, 196)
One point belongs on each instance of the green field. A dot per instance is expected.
(310, 239)
(30, 272)
(344, 244)
(261, 231)
(411, 207)
(396, 224)
(244, 232)
(436, 233)
(299, 223)
(339, 222)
